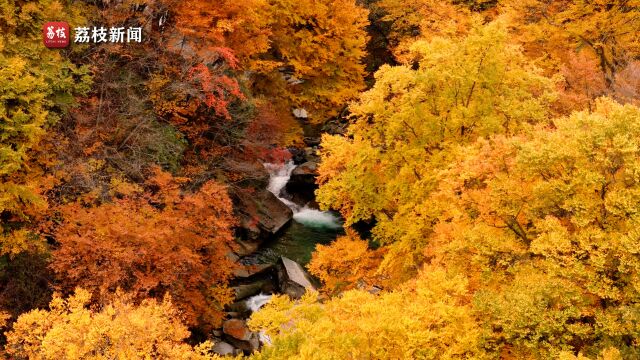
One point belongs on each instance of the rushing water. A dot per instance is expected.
(309, 226)
(298, 240)
(254, 304)
(279, 175)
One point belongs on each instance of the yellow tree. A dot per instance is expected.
(120, 330)
(321, 44)
(37, 86)
(406, 126)
(421, 19)
(554, 28)
(544, 225)
(429, 319)
(345, 263)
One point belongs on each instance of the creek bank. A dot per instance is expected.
(302, 183)
(253, 292)
(261, 215)
(279, 227)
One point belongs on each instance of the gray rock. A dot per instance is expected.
(260, 215)
(297, 155)
(247, 271)
(293, 279)
(300, 113)
(239, 307)
(292, 80)
(311, 141)
(254, 342)
(305, 173)
(248, 346)
(253, 173)
(244, 291)
(222, 348)
(302, 183)
(254, 234)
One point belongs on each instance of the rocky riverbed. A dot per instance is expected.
(280, 226)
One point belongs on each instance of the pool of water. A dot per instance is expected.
(296, 241)
(309, 226)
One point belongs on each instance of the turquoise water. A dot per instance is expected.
(308, 228)
(296, 242)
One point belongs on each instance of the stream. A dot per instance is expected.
(309, 226)
(296, 241)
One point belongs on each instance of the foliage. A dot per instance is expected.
(407, 123)
(491, 170)
(203, 102)
(119, 330)
(544, 225)
(239, 25)
(583, 82)
(165, 242)
(422, 20)
(604, 28)
(321, 44)
(24, 282)
(537, 234)
(428, 320)
(344, 264)
(36, 87)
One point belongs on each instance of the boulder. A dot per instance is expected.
(311, 141)
(292, 80)
(297, 155)
(311, 154)
(247, 346)
(247, 271)
(293, 279)
(254, 288)
(260, 214)
(307, 172)
(222, 348)
(254, 235)
(239, 307)
(237, 329)
(302, 184)
(300, 113)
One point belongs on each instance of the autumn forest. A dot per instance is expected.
(320, 179)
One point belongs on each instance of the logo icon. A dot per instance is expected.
(55, 34)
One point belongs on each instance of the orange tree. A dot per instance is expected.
(167, 242)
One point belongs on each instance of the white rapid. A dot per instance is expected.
(254, 304)
(279, 175)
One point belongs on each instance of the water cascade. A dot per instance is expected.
(254, 304)
(309, 228)
(279, 175)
